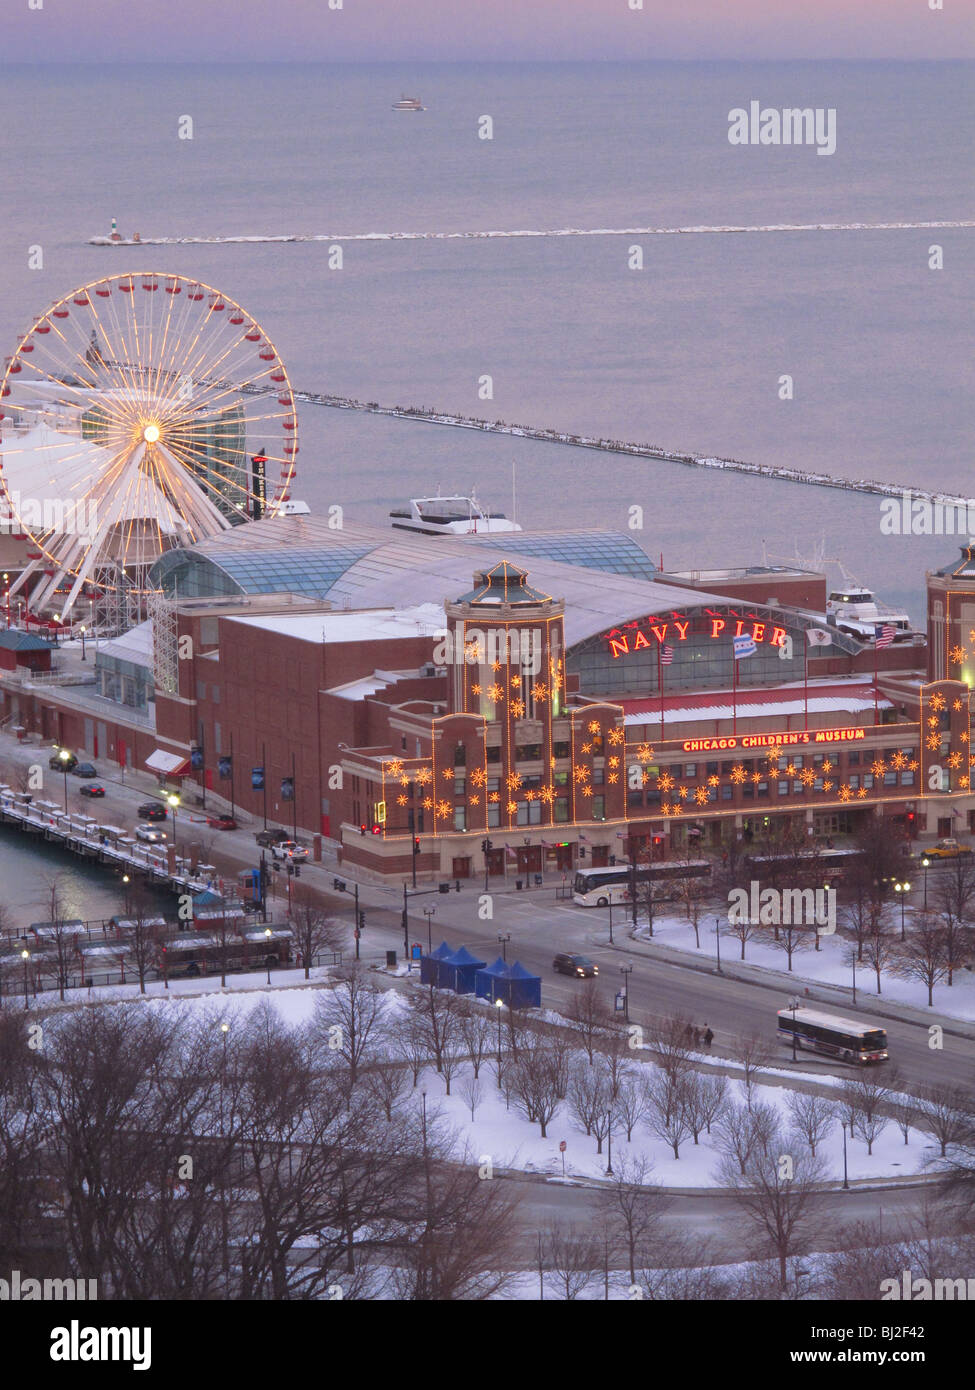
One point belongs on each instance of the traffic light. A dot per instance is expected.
(416, 844)
(377, 829)
(362, 919)
(362, 829)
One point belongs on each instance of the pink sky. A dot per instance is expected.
(432, 30)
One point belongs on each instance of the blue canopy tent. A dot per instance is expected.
(459, 969)
(431, 967)
(492, 982)
(524, 988)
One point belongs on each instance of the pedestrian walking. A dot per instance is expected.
(698, 1035)
(708, 1036)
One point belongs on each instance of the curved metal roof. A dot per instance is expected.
(367, 567)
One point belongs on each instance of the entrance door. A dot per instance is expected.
(944, 827)
(495, 861)
(600, 856)
(462, 867)
(563, 858)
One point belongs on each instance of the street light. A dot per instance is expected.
(924, 865)
(428, 914)
(172, 801)
(902, 889)
(609, 1141)
(717, 939)
(499, 1005)
(503, 942)
(846, 1180)
(25, 957)
(267, 938)
(64, 757)
(626, 971)
(793, 1005)
(82, 642)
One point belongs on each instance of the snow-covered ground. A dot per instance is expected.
(829, 965)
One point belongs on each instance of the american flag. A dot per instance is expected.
(666, 656)
(884, 636)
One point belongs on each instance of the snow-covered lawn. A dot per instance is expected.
(829, 965)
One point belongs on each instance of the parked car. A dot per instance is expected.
(93, 789)
(270, 836)
(222, 822)
(946, 849)
(85, 770)
(57, 763)
(149, 835)
(289, 849)
(152, 810)
(580, 966)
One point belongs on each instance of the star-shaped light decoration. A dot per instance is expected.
(512, 807)
(517, 708)
(938, 701)
(957, 655)
(479, 777)
(682, 792)
(645, 753)
(513, 780)
(539, 691)
(587, 748)
(665, 782)
(423, 775)
(494, 796)
(612, 777)
(700, 795)
(401, 800)
(475, 800)
(862, 793)
(933, 742)
(956, 704)
(594, 726)
(495, 693)
(394, 767)
(846, 792)
(738, 773)
(427, 803)
(616, 735)
(878, 767)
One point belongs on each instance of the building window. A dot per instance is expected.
(560, 750)
(690, 770)
(528, 752)
(460, 756)
(727, 793)
(907, 778)
(560, 779)
(494, 784)
(494, 814)
(712, 769)
(460, 785)
(868, 779)
(853, 757)
(561, 809)
(598, 776)
(599, 808)
(493, 754)
(460, 818)
(890, 779)
(855, 781)
(783, 788)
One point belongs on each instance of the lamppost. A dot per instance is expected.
(499, 1005)
(82, 642)
(503, 942)
(25, 957)
(717, 940)
(611, 920)
(853, 962)
(64, 758)
(793, 1005)
(846, 1180)
(172, 800)
(267, 938)
(924, 865)
(902, 889)
(609, 1142)
(428, 914)
(626, 971)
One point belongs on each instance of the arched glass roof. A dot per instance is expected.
(613, 552)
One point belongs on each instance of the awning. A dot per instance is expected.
(170, 764)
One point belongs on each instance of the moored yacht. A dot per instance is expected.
(450, 516)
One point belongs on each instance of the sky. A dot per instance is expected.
(153, 31)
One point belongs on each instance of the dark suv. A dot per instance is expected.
(152, 810)
(57, 763)
(580, 966)
(270, 837)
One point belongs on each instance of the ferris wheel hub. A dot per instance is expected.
(150, 434)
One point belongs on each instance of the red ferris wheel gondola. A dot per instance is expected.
(103, 291)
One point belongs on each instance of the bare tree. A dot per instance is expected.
(633, 1207)
(589, 1014)
(863, 1102)
(315, 932)
(671, 1042)
(589, 1100)
(477, 1034)
(737, 1132)
(630, 1104)
(694, 895)
(140, 937)
(791, 938)
(712, 1098)
(60, 940)
(438, 1013)
(775, 1190)
(385, 1078)
(409, 1042)
(536, 1083)
(744, 929)
(813, 1116)
(924, 957)
(754, 1055)
(946, 1111)
(666, 1113)
(572, 1256)
(878, 950)
(349, 1017)
(470, 1089)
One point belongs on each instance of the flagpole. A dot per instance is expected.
(660, 687)
(734, 691)
(805, 683)
(876, 678)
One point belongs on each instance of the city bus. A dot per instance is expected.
(848, 1039)
(827, 865)
(600, 887)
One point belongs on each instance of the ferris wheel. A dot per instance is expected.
(139, 413)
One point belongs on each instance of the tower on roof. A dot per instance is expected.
(503, 583)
